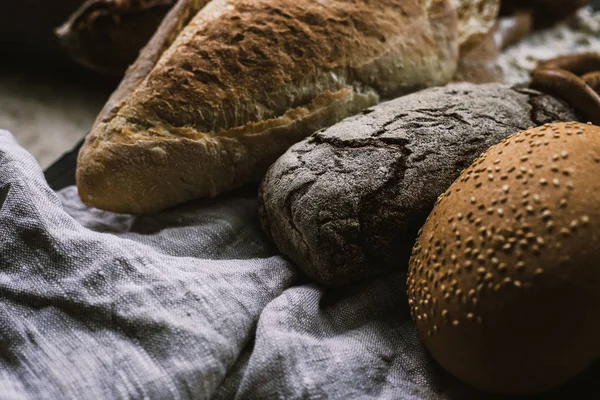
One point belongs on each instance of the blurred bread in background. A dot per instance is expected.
(107, 35)
(26, 33)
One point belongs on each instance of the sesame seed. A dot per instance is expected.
(563, 202)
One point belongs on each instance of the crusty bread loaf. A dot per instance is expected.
(107, 35)
(245, 80)
(347, 202)
(478, 61)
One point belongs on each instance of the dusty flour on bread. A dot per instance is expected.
(579, 33)
(347, 202)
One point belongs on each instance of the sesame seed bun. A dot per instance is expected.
(504, 279)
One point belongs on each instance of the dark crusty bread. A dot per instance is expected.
(107, 35)
(346, 203)
(245, 80)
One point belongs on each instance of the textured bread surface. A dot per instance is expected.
(476, 18)
(347, 202)
(503, 280)
(107, 35)
(244, 80)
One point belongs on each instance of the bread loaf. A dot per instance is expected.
(245, 80)
(107, 35)
(503, 280)
(347, 202)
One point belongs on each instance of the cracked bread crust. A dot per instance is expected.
(347, 202)
(246, 79)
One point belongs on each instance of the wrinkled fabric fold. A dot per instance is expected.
(192, 303)
(87, 314)
(354, 342)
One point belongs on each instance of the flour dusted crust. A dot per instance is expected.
(346, 203)
(246, 79)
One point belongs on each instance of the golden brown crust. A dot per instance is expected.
(592, 79)
(566, 85)
(262, 72)
(511, 29)
(503, 278)
(166, 33)
(174, 167)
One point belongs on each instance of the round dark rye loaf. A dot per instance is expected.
(348, 201)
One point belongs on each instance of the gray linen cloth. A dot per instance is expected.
(190, 303)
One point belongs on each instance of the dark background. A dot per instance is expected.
(28, 43)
